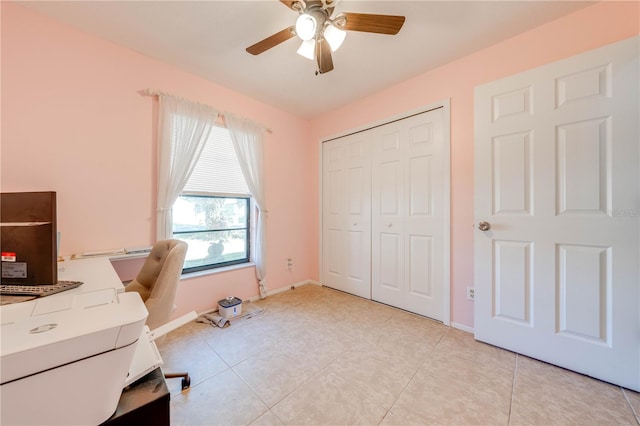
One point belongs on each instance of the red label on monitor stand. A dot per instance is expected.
(8, 256)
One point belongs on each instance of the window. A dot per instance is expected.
(213, 212)
(216, 229)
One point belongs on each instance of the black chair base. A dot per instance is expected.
(186, 380)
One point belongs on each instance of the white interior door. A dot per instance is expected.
(557, 159)
(346, 215)
(408, 214)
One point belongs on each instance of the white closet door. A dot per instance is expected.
(408, 223)
(346, 215)
(557, 178)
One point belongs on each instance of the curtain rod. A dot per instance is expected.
(154, 92)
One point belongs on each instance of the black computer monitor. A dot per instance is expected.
(28, 238)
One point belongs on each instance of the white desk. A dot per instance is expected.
(94, 272)
(52, 347)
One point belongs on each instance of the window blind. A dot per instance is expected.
(218, 170)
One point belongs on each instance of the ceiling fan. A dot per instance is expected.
(321, 34)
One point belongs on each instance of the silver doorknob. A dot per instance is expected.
(355, 223)
(389, 225)
(484, 226)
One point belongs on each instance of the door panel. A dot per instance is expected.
(391, 188)
(557, 176)
(584, 173)
(513, 268)
(408, 220)
(390, 261)
(333, 271)
(420, 265)
(334, 245)
(420, 198)
(346, 215)
(584, 283)
(512, 166)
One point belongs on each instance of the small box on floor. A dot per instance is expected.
(230, 307)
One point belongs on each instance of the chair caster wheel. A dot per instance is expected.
(186, 383)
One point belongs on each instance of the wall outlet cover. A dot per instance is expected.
(471, 293)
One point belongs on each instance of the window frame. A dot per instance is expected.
(247, 229)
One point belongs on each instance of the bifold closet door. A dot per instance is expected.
(346, 214)
(408, 214)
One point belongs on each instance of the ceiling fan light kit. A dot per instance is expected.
(322, 35)
(307, 49)
(307, 25)
(334, 36)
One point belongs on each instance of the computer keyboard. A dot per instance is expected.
(38, 290)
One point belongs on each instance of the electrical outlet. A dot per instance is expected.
(289, 263)
(471, 293)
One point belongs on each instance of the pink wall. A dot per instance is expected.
(586, 29)
(73, 122)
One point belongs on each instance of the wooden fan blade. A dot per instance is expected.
(381, 24)
(289, 3)
(272, 41)
(323, 56)
(308, 4)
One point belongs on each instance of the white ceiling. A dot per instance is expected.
(208, 38)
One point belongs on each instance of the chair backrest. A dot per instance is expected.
(158, 279)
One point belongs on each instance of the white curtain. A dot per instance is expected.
(248, 142)
(183, 130)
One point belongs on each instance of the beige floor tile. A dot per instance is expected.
(284, 324)
(320, 331)
(410, 342)
(222, 400)
(273, 374)
(320, 356)
(267, 419)
(328, 399)
(545, 394)
(379, 374)
(403, 417)
(414, 327)
(445, 400)
(458, 370)
(237, 344)
(634, 399)
(315, 355)
(298, 295)
(194, 357)
(465, 346)
(365, 315)
(189, 332)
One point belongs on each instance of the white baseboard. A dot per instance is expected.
(462, 327)
(285, 288)
(269, 293)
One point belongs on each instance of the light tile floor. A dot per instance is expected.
(321, 357)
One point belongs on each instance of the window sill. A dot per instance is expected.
(217, 270)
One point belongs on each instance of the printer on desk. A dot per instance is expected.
(65, 358)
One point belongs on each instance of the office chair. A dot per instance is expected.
(157, 283)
